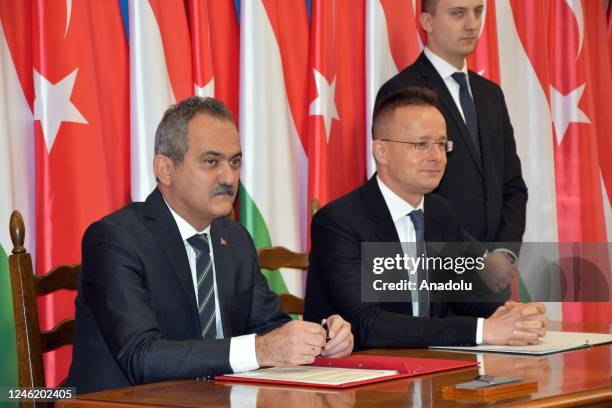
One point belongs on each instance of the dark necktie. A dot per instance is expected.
(418, 221)
(205, 286)
(469, 109)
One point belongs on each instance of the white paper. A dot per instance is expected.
(315, 375)
(553, 342)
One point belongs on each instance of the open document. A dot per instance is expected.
(553, 342)
(350, 371)
(316, 375)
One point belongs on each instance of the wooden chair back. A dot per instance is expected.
(280, 257)
(25, 287)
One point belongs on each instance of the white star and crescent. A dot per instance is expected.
(576, 7)
(565, 110)
(325, 104)
(52, 105)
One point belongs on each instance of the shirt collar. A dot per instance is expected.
(185, 229)
(398, 207)
(442, 66)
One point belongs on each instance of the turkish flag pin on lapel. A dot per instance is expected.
(223, 242)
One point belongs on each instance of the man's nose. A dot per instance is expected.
(472, 21)
(226, 174)
(436, 153)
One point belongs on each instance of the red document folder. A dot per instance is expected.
(405, 366)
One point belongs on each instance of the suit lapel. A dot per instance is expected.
(163, 227)
(481, 102)
(223, 271)
(433, 230)
(378, 212)
(435, 82)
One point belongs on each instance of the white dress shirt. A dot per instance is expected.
(399, 210)
(242, 355)
(446, 71)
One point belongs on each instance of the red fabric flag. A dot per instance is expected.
(402, 35)
(610, 31)
(485, 58)
(565, 43)
(81, 108)
(171, 18)
(336, 145)
(225, 51)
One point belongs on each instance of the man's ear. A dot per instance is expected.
(164, 168)
(426, 22)
(380, 151)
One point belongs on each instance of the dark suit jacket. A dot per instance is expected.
(334, 279)
(488, 195)
(136, 316)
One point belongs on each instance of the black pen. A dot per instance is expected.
(324, 324)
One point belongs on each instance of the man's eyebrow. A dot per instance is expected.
(211, 153)
(217, 154)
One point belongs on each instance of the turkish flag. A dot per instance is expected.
(485, 58)
(215, 45)
(81, 113)
(574, 71)
(336, 129)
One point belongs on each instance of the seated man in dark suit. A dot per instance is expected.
(171, 287)
(410, 147)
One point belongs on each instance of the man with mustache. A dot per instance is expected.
(171, 288)
(483, 180)
(410, 146)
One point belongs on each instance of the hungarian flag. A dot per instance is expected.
(336, 137)
(16, 161)
(391, 44)
(79, 66)
(177, 49)
(273, 114)
(160, 74)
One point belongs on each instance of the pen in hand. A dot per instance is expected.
(324, 324)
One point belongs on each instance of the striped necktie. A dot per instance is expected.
(205, 286)
(418, 221)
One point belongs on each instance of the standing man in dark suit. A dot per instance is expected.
(410, 147)
(171, 288)
(483, 180)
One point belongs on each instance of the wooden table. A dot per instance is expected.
(565, 379)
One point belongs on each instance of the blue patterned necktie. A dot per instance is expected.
(469, 109)
(206, 287)
(418, 221)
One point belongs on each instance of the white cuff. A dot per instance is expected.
(479, 330)
(242, 355)
(509, 254)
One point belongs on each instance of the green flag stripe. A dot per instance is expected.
(523, 292)
(252, 220)
(8, 343)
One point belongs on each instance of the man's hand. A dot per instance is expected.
(340, 341)
(498, 272)
(533, 316)
(516, 324)
(295, 343)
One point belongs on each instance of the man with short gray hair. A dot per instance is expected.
(171, 287)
